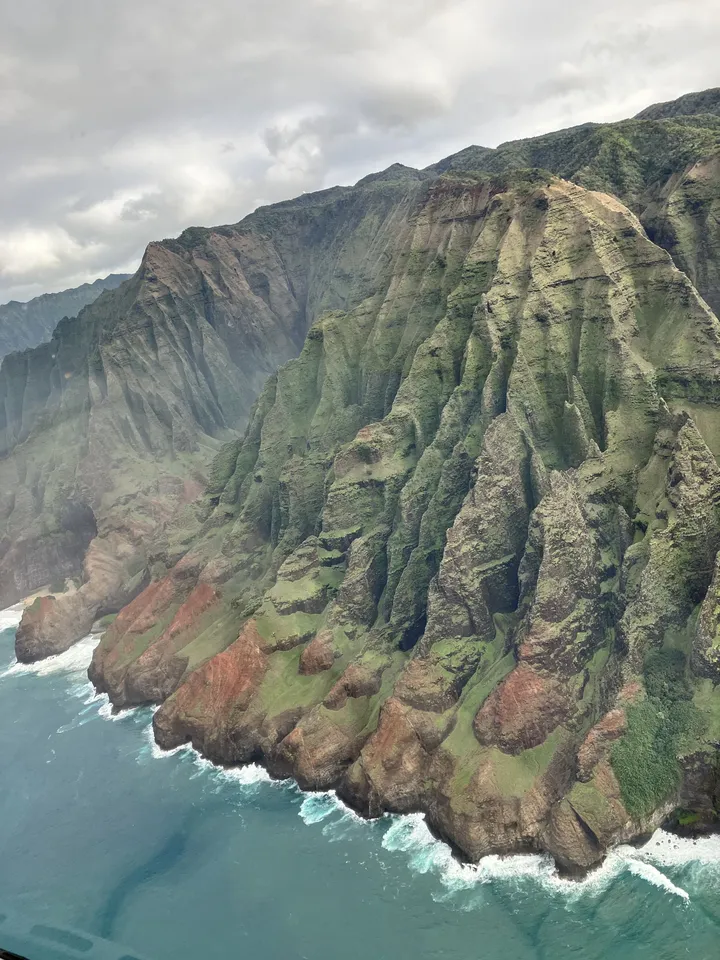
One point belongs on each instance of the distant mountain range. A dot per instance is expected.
(24, 325)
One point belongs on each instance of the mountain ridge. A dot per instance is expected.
(352, 620)
(26, 325)
(698, 102)
(463, 560)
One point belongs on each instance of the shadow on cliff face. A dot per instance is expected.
(78, 519)
(39, 559)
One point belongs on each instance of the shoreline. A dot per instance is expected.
(577, 876)
(272, 773)
(412, 830)
(277, 772)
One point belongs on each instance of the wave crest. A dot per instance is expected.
(11, 616)
(426, 854)
(75, 660)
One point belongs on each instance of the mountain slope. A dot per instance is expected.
(107, 429)
(666, 168)
(24, 325)
(458, 562)
(464, 558)
(703, 101)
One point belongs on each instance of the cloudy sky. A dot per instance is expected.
(123, 122)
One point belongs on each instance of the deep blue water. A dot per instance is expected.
(177, 860)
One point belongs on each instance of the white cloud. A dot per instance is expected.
(27, 251)
(126, 122)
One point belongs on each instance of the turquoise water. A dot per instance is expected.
(175, 859)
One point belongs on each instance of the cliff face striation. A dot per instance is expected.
(24, 325)
(663, 165)
(106, 431)
(464, 558)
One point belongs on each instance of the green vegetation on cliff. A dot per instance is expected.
(660, 729)
(463, 558)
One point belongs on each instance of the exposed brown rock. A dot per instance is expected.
(523, 711)
(358, 680)
(596, 745)
(157, 672)
(108, 669)
(319, 654)
(233, 677)
(394, 762)
(108, 584)
(316, 752)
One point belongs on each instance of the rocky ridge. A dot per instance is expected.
(463, 559)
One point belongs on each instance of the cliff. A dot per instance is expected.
(458, 561)
(464, 558)
(106, 431)
(664, 165)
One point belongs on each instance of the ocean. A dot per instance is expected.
(175, 859)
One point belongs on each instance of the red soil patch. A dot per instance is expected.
(226, 681)
(143, 612)
(596, 744)
(522, 711)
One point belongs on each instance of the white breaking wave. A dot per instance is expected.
(156, 751)
(428, 855)
(76, 660)
(74, 663)
(11, 616)
(656, 877)
(667, 849)
(339, 822)
(107, 712)
(411, 835)
(247, 775)
(317, 807)
(89, 711)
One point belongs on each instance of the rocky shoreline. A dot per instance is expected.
(278, 770)
(358, 806)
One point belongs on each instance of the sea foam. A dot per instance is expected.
(426, 854)
(73, 661)
(409, 835)
(11, 616)
(247, 775)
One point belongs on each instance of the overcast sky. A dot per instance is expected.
(124, 122)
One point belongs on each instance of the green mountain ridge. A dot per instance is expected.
(107, 430)
(463, 558)
(703, 101)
